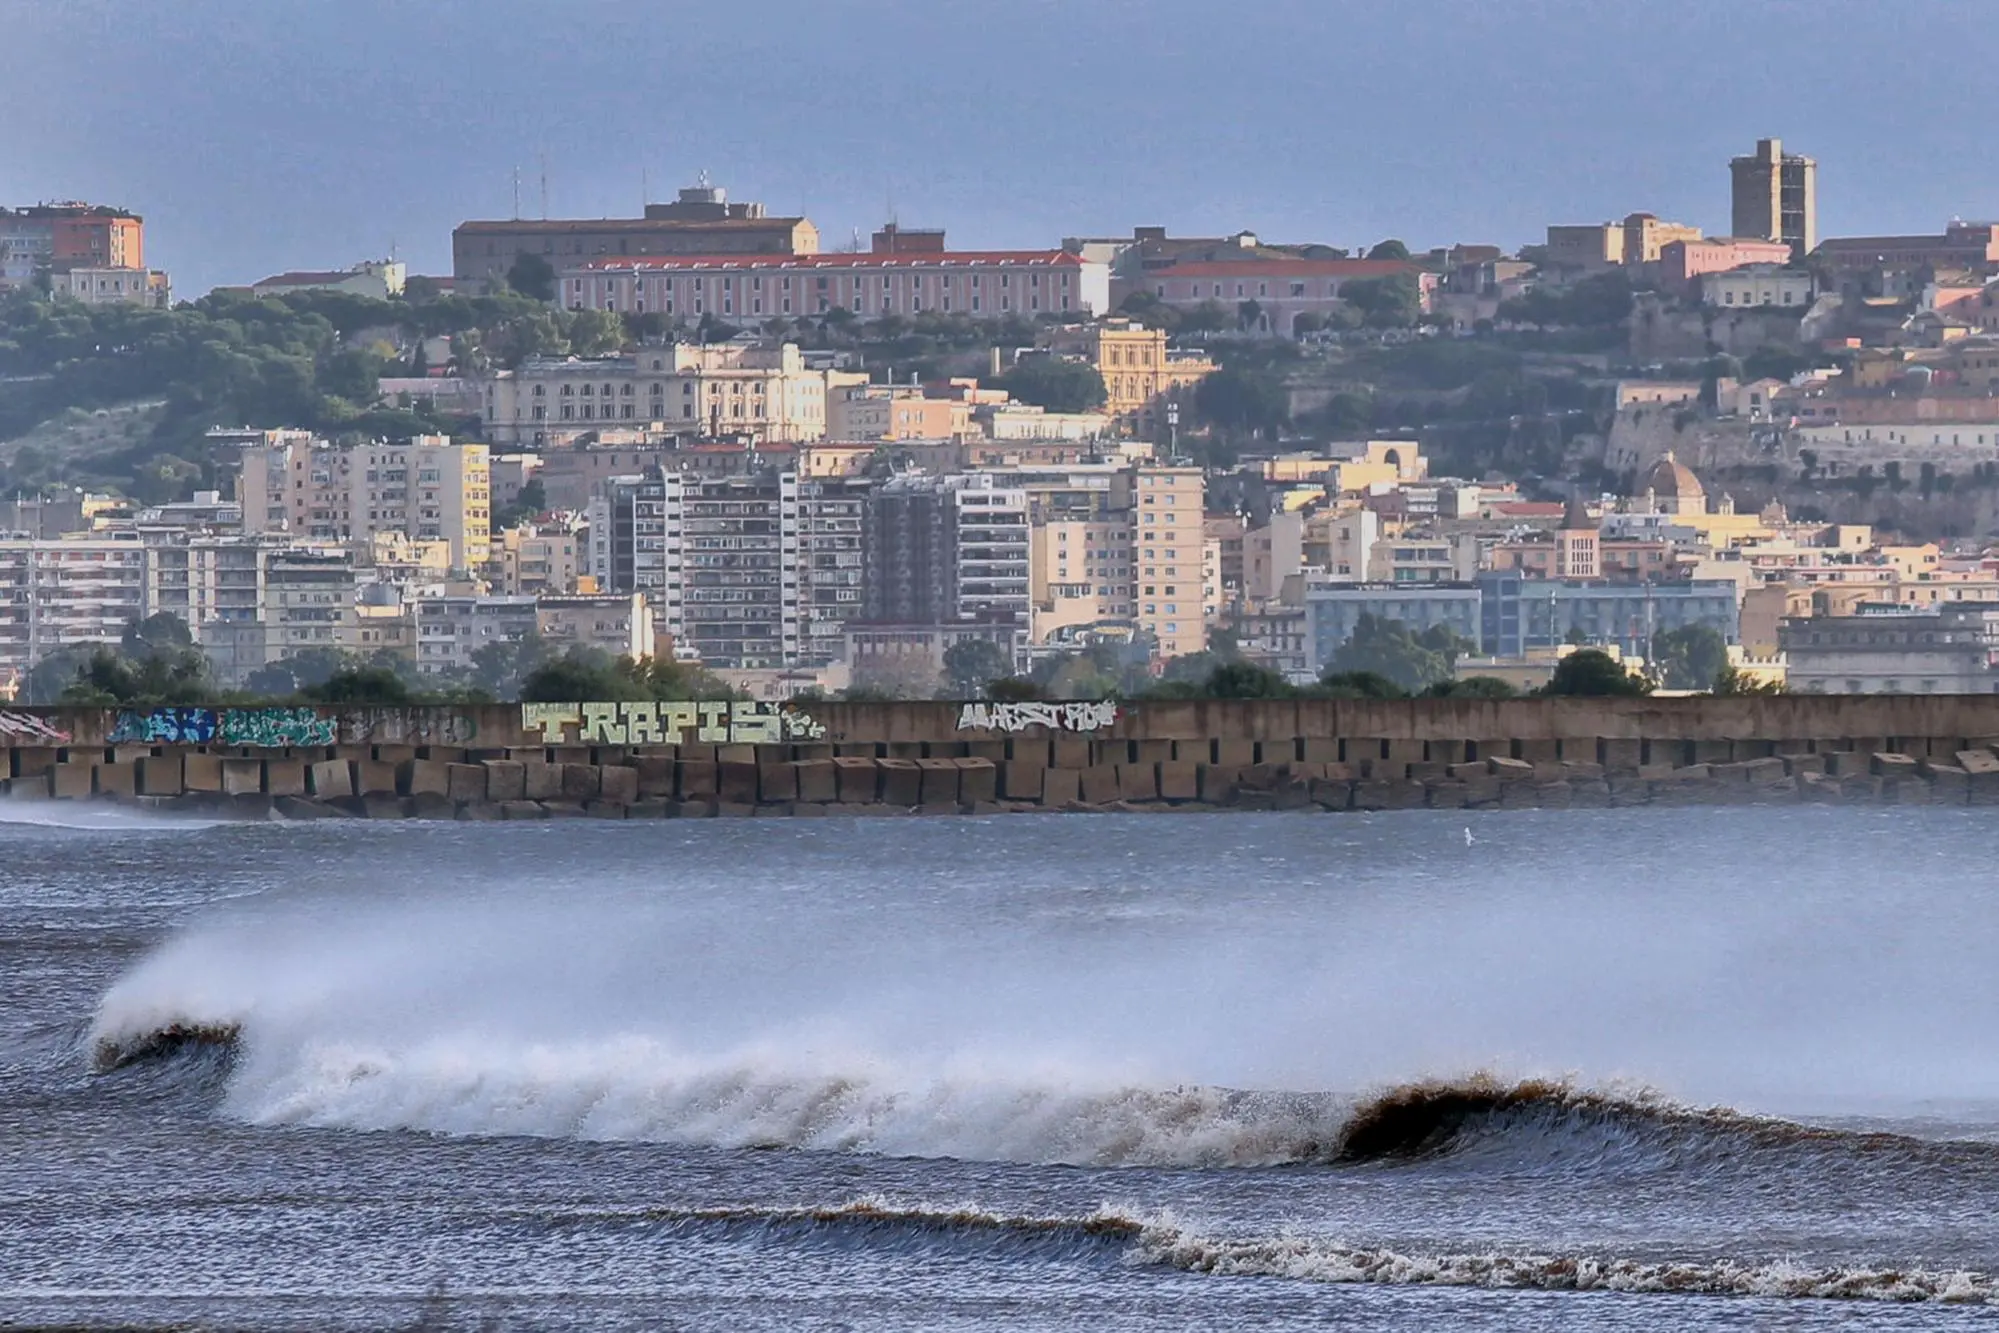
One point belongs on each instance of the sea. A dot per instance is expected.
(1612, 1069)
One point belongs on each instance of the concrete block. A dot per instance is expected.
(465, 783)
(442, 754)
(700, 779)
(734, 810)
(1138, 782)
(736, 782)
(522, 810)
(71, 782)
(506, 780)
(602, 809)
(161, 775)
(704, 809)
(33, 761)
(978, 780)
(1512, 770)
(1070, 752)
(1889, 765)
(1100, 785)
(643, 809)
(1464, 772)
(1179, 781)
(123, 779)
(1797, 765)
(581, 782)
(1235, 753)
(1977, 761)
(1620, 755)
(1217, 782)
(394, 754)
(1949, 785)
(1061, 786)
(856, 779)
(817, 781)
(901, 782)
(330, 778)
(939, 784)
(427, 776)
(202, 772)
(618, 784)
(777, 782)
(285, 777)
(1331, 793)
(1445, 794)
(1021, 780)
(655, 777)
(241, 777)
(540, 781)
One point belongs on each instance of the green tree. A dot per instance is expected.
(161, 632)
(1593, 672)
(1389, 249)
(1472, 687)
(1688, 658)
(596, 332)
(1730, 681)
(532, 276)
(582, 675)
(1393, 302)
(1360, 685)
(1250, 401)
(970, 665)
(1055, 384)
(379, 685)
(1389, 649)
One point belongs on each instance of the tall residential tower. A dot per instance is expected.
(1776, 197)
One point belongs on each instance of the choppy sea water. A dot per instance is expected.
(1628, 1069)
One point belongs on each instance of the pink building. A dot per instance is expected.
(1282, 289)
(906, 281)
(1681, 263)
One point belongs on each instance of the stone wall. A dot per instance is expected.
(534, 761)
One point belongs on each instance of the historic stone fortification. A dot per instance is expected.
(653, 760)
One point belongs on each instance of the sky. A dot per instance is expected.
(257, 136)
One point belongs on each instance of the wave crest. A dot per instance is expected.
(115, 1050)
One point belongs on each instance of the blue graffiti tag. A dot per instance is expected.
(165, 726)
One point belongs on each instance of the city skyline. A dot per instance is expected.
(1002, 132)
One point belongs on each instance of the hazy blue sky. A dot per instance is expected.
(259, 135)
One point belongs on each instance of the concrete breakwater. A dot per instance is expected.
(702, 759)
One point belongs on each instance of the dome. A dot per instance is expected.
(1671, 479)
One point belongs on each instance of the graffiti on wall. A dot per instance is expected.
(16, 728)
(645, 722)
(164, 726)
(1086, 715)
(267, 728)
(409, 726)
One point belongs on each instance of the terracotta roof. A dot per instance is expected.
(934, 259)
(538, 225)
(307, 279)
(1288, 268)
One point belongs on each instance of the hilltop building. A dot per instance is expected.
(701, 221)
(1775, 197)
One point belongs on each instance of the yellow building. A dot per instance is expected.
(1141, 374)
(528, 562)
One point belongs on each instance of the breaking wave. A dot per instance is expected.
(639, 1090)
(1161, 1241)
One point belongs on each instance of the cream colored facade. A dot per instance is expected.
(684, 389)
(426, 488)
(531, 562)
(1141, 374)
(871, 412)
(1757, 285)
(1169, 558)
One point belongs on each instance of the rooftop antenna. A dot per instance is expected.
(517, 194)
(645, 187)
(544, 187)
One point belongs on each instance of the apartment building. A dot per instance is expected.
(728, 388)
(68, 592)
(535, 562)
(750, 571)
(1774, 196)
(56, 238)
(947, 549)
(1167, 558)
(424, 488)
(617, 623)
(1641, 238)
(1895, 650)
(755, 288)
(701, 221)
(893, 412)
(451, 630)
